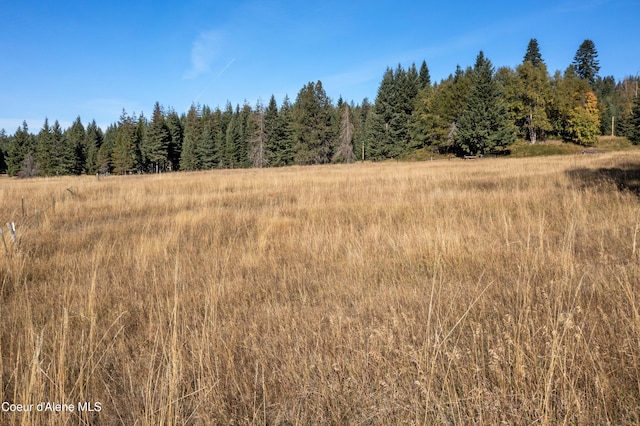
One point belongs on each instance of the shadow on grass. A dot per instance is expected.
(626, 177)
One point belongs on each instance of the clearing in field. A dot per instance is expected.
(445, 292)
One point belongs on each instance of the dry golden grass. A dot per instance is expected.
(445, 292)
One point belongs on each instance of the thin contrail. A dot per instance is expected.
(214, 79)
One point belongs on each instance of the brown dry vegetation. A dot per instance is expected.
(448, 292)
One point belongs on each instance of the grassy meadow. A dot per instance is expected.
(489, 291)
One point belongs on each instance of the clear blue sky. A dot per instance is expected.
(93, 58)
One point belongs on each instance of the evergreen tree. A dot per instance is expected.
(93, 141)
(233, 141)
(272, 131)
(75, 139)
(533, 54)
(206, 149)
(283, 148)
(45, 155)
(155, 144)
(485, 125)
(104, 157)
(380, 138)
(192, 132)
(64, 152)
(174, 149)
(437, 112)
(4, 147)
(634, 122)
(21, 146)
(126, 145)
(585, 63)
(424, 77)
(362, 119)
(313, 125)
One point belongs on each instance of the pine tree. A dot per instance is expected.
(586, 62)
(174, 149)
(283, 148)
(192, 132)
(64, 151)
(634, 122)
(362, 118)
(155, 144)
(104, 158)
(4, 147)
(313, 125)
(75, 137)
(533, 54)
(424, 76)
(380, 138)
(126, 145)
(45, 155)
(485, 125)
(437, 112)
(21, 147)
(93, 141)
(206, 149)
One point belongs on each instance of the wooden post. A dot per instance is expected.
(22, 202)
(612, 121)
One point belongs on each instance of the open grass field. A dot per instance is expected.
(448, 292)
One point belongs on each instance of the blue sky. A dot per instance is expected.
(91, 59)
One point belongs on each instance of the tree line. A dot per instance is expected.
(473, 111)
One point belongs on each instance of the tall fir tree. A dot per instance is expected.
(380, 137)
(75, 137)
(634, 122)
(176, 135)
(424, 76)
(126, 145)
(485, 125)
(192, 132)
(93, 141)
(313, 125)
(4, 147)
(46, 154)
(533, 54)
(104, 158)
(585, 62)
(206, 149)
(155, 144)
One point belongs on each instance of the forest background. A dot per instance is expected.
(474, 111)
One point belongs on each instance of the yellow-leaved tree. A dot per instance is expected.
(584, 121)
